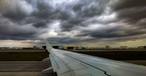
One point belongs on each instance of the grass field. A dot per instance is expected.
(40, 55)
(117, 55)
(23, 56)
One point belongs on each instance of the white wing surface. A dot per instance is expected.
(66, 63)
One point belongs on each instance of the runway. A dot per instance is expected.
(23, 68)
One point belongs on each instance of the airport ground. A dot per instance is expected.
(22, 68)
(38, 55)
(29, 62)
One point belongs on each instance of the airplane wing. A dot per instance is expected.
(66, 63)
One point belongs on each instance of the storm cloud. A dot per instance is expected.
(71, 21)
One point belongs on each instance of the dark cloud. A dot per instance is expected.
(83, 11)
(40, 24)
(115, 30)
(43, 11)
(16, 10)
(130, 10)
(130, 21)
(11, 30)
(110, 33)
(90, 8)
(68, 40)
(124, 4)
(68, 25)
(62, 21)
(15, 15)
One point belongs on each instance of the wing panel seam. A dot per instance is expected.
(91, 65)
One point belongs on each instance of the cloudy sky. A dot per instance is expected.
(90, 22)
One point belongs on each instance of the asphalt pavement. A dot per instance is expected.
(23, 68)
